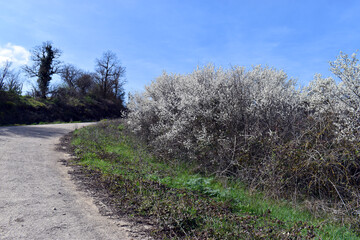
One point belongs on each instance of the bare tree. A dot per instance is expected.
(45, 64)
(69, 73)
(76, 80)
(4, 73)
(9, 79)
(85, 82)
(109, 75)
(13, 83)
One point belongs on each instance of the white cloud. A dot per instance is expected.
(18, 55)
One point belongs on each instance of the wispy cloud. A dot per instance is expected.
(18, 55)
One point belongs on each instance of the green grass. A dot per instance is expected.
(187, 205)
(31, 102)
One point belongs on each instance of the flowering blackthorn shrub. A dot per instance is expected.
(256, 125)
(210, 114)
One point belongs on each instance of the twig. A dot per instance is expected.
(339, 195)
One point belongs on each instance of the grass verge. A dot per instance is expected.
(186, 205)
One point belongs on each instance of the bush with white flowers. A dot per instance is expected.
(256, 125)
(210, 114)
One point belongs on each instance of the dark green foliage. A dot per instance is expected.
(16, 109)
(46, 70)
(45, 64)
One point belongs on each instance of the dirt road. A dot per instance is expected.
(37, 198)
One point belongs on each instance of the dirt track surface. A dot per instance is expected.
(37, 198)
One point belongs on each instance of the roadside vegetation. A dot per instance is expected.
(17, 109)
(216, 153)
(237, 154)
(81, 95)
(185, 204)
(257, 127)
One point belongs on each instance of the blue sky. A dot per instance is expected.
(150, 36)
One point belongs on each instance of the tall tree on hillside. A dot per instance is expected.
(109, 76)
(45, 64)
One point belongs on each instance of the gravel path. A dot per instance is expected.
(37, 198)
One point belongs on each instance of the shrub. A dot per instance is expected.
(256, 126)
